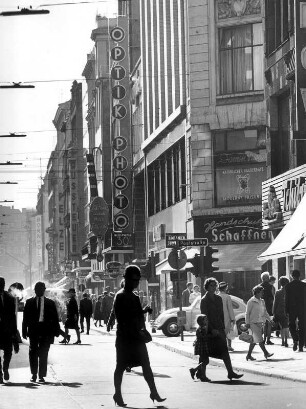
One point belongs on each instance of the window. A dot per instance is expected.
(241, 59)
(279, 21)
(167, 179)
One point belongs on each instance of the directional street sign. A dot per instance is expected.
(193, 242)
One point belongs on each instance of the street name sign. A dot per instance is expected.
(193, 242)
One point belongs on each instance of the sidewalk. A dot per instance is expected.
(284, 364)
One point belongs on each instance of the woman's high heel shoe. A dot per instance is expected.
(155, 396)
(192, 372)
(234, 375)
(77, 342)
(63, 341)
(119, 401)
(68, 338)
(267, 355)
(249, 357)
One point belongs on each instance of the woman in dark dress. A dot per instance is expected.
(130, 346)
(212, 306)
(98, 316)
(72, 318)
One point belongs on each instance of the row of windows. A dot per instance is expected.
(167, 179)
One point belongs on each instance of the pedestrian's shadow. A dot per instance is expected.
(71, 384)
(239, 382)
(28, 385)
(154, 407)
(157, 375)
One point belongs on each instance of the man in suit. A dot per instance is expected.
(85, 312)
(295, 304)
(186, 294)
(41, 325)
(8, 330)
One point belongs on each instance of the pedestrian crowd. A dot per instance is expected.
(266, 310)
(282, 310)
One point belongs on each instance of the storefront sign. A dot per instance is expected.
(74, 220)
(231, 229)
(293, 192)
(99, 216)
(239, 185)
(121, 155)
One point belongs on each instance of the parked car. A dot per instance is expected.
(167, 320)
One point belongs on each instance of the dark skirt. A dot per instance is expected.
(71, 323)
(217, 346)
(131, 354)
(282, 320)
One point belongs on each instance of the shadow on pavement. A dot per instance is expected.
(238, 382)
(157, 375)
(28, 385)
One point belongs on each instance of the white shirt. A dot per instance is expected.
(42, 308)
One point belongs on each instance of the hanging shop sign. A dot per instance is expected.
(121, 141)
(91, 169)
(245, 228)
(99, 216)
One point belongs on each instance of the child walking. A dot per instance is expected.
(201, 349)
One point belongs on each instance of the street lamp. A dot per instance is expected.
(17, 85)
(8, 163)
(24, 12)
(13, 135)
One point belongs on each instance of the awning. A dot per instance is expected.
(164, 267)
(240, 257)
(292, 238)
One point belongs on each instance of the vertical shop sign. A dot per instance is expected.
(74, 207)
(121, 138)
(38, 239)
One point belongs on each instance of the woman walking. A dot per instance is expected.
(255, 317)
(212, 307)
(98, 316)
(130, 345)
(279, 311)
(72, 320)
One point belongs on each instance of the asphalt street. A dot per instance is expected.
(81, 377)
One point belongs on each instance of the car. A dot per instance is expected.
(167, 320)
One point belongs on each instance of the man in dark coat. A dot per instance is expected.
(41, 325)
(295, 304)
(8, 330)
(268, 297)
(85, 312)
(186, 294)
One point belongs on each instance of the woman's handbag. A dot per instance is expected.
(144, 335)
(246, 337)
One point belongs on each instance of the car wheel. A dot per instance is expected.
(240, 325)
(170, 328)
